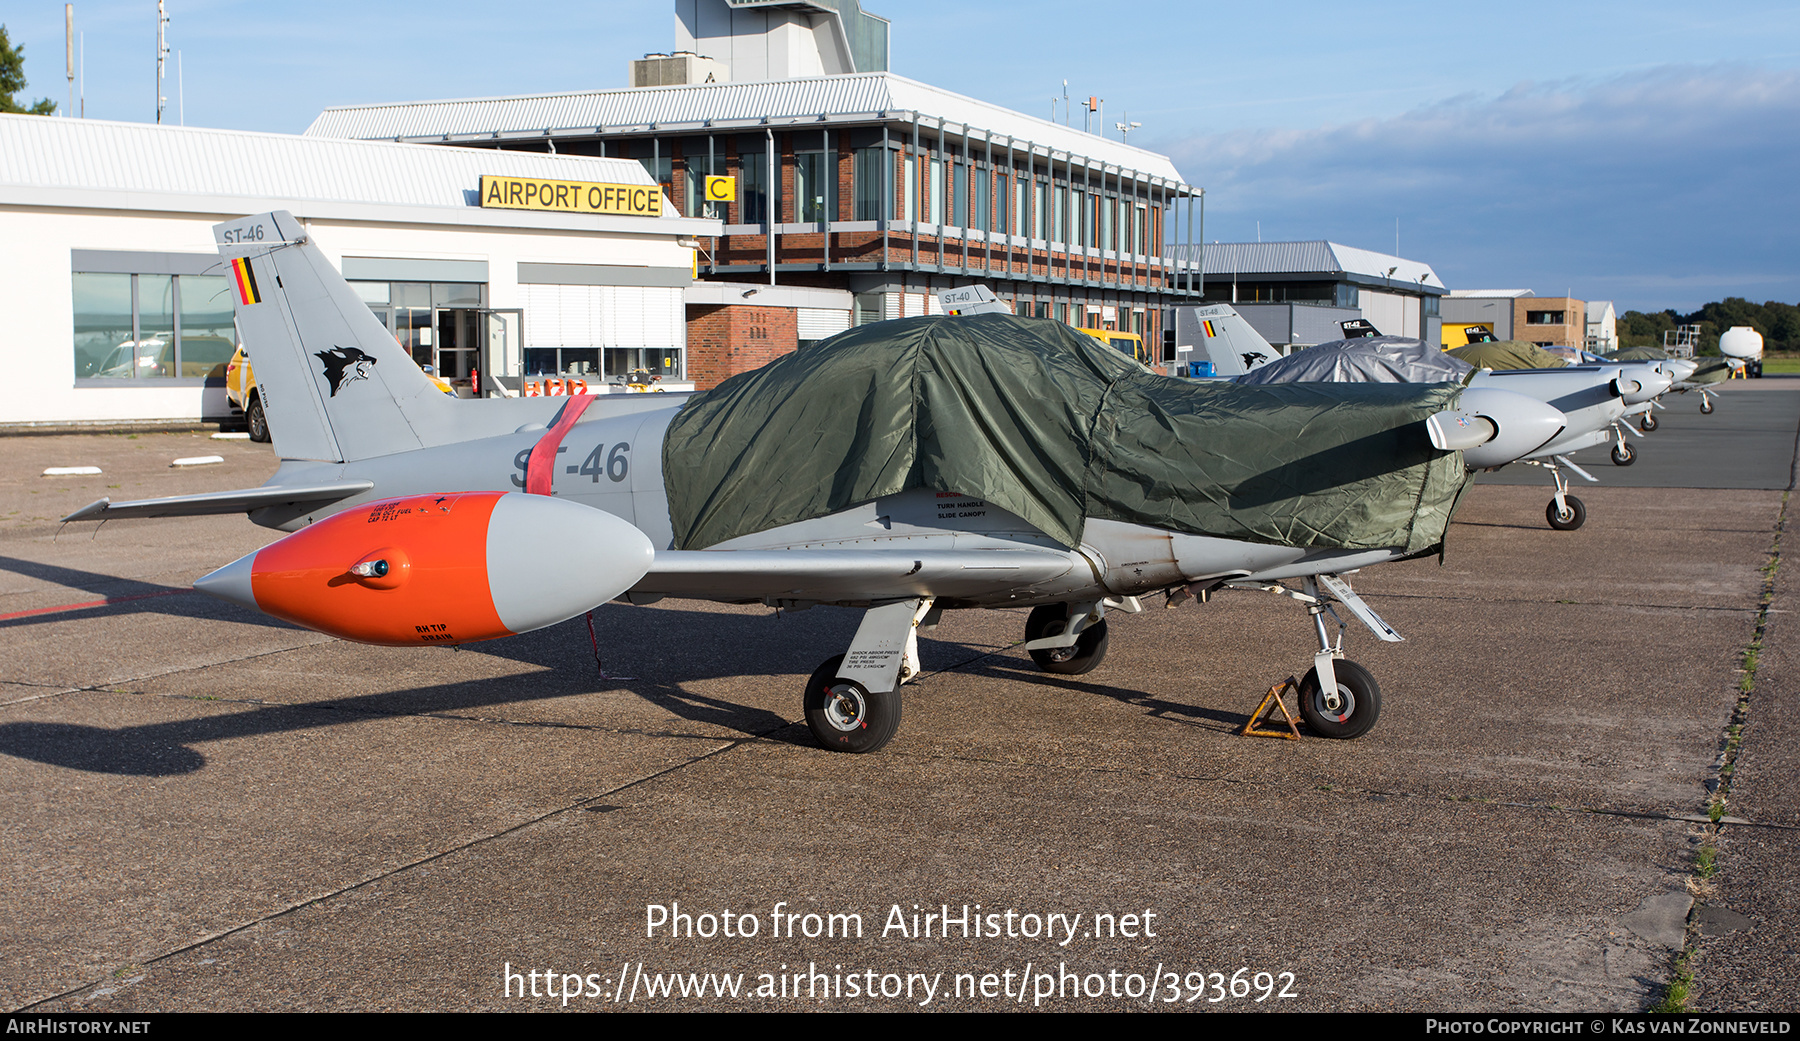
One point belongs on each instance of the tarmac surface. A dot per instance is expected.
(211, 810)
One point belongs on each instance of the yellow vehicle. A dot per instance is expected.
(240, 390)
(1124, 343)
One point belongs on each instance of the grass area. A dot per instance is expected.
(1781, 366)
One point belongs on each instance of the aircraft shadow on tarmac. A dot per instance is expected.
(1020, 670)
(128, 596)
(667, 649)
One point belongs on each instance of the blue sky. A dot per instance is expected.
(1643, 152)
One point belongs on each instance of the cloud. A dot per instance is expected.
(1667, 187)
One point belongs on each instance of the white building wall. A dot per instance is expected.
(761, 44)
(37, 298)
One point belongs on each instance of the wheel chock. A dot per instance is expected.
(1266, 711)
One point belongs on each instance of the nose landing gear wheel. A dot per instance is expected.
(1623, 455)
(1350, 712)
(1706, 406)
(1566, 520)
(1648, 423)
(844, 716)
(1089, 650)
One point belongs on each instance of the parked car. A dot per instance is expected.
(240, 390)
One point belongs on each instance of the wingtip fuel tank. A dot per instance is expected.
(430, 569)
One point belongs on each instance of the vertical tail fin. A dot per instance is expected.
(333, 383)
(1233, 346)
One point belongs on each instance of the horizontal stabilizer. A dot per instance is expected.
(240, 500)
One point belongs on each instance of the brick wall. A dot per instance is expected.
(724, 341)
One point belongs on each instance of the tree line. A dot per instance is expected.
(1778, 323)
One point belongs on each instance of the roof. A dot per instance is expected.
(1315, 258)
(145, 166)
(1483, 294)
(811, 101)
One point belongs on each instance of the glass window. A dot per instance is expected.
(208, 332)
(981, 190)
(753, 184)
(909, 192)
(658, 166)
(869, 307)
(456, 294)
(128, 326)
(869, 174)
(812, 189)
(959, 196)
(695, 170)
(625, 361)
(371, 292)
(935, 209)
(156, 326)
(102, 322)
(1107, 206)
(1002, 197)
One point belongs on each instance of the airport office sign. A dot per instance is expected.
(533, 193)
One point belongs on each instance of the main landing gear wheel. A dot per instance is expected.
(844, 717)
(1623, 455)
(1566, 520)
(1648, 423)
(1089, 650)
(1351, 712)
(256, 421)
(1706, 406)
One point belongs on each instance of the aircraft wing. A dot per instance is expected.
(239, 500)
(845, 575)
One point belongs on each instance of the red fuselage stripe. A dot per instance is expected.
(541, 470)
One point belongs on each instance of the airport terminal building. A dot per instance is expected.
(119, 311)
(846, 177)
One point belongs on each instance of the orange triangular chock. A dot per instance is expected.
(1271, 701)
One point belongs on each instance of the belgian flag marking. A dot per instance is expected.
(246, 281)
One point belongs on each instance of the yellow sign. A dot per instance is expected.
(531, 193)
(721, 189)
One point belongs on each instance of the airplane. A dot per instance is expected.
(1681, 372)
(1232, 345)
(421, 520)
(1592, 399)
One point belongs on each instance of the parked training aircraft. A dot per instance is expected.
(421, 519)
(1593, 399)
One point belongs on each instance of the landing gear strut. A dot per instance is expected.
(853, 700)
(1339, 699)
(1565, 512)
(1052, 620)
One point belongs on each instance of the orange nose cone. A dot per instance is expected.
(401, 572)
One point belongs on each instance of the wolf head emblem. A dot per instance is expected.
(344, 365)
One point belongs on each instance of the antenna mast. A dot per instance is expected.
(162, 54)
